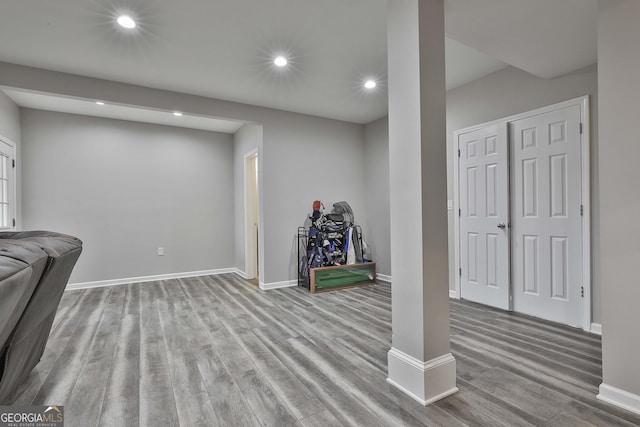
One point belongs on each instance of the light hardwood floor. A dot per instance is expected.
(218, 351)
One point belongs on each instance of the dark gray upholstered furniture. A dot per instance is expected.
(34, 269)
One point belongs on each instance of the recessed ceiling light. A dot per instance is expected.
(370, 84)
(280, 61)
(99, 102)
(177, 113)
(126, 21)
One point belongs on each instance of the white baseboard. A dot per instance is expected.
(278, 285)
(453, 293)
(596, 328)
(407, 392)
(425, 382)
(620, 398)
(240, 273)
(143, 279)
(383, 277)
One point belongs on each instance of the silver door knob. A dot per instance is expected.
(502, 225)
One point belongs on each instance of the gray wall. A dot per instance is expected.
(511, 91)
(376, 182)
(126, 189)
(9, 118)
(305, 157)
(247, 139)
(301, 159)
(619, 62)
(504, 93)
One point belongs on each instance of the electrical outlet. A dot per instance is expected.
(160, 251)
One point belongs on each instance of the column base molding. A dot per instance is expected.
(425, 382)
(620, 398)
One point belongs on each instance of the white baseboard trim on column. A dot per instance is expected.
(425, 382)
(620, 398)
(383, 277)
(278, 285)
(453, 293)
(596, 328)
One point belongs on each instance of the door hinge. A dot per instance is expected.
(459, 212)
(460, 271)
(14, 222)
(458, 152)
(13, 163)
(581, 210)
(582, 291)
(580, 128)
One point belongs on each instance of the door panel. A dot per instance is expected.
(546, 220)
(483, 206)
(530, 265)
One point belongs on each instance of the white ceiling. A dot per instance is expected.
(547, 38)
(465, 64)
(224, 49)
(42, 101)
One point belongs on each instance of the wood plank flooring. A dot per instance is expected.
(216, 350)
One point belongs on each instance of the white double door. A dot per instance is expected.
(520, 215)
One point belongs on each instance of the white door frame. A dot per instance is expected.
(585, 138)
(251, 197)
(14, 158)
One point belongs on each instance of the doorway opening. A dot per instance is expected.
(251, 213)
(522, 231)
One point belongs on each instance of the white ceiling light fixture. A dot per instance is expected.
(177, 113)
(99, 103)
(280, 61)
(370, 84)
(126, 21)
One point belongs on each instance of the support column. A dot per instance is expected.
(619, 150)
(420, 361)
